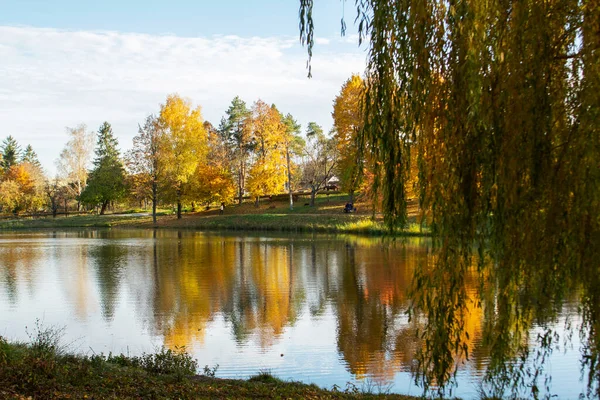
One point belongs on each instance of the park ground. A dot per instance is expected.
(271, 215)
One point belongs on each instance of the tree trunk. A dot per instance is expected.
(178, 203)
(256, 202)
(79, 190)
(313, 194)
(351, 196)
(241, 184)
(154, 195)
(103, 208)
(289, 173)
(66, 209)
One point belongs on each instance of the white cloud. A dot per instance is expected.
(53, 78)
(322, 41)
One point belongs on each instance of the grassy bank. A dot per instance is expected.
(324, 223)
(42, 370)
(326, 217)
(77, 221)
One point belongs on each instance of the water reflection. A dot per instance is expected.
(257, 293)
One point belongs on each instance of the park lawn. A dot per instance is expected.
(327, 216)
(76, 221)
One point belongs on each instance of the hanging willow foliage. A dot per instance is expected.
(499, 100)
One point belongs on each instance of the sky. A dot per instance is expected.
(65, 63)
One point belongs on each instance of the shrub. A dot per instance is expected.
(165, 361)
(46, 341)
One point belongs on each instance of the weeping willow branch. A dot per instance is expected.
(499, 102)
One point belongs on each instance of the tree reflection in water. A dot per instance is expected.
(394, 306)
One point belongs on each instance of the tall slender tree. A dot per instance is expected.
(237, 130)
(145, 159)
(74, 160)
(294, 144)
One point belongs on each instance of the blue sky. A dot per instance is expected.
(180, 17)
(67, 62)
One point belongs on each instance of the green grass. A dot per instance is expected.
(325, 217)
(30, 371)
(77, 221)
(325, 223)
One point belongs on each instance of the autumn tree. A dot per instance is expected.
(183, 144)
(22, 188)
(74, 159)
(22, 180)
(106, 181)
(237, 131)
(268, 172)
(145, 161)
(348, 121)
(213, 180)
(320, 153)
(10, 196)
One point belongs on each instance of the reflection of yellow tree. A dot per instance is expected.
(249, 282)
(78, 284)
(193, 284)
(272, 277)
(372, 290)
(374, 338)
(18, 262)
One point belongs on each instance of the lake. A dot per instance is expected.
(330, 310)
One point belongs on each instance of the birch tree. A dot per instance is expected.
(74, 160)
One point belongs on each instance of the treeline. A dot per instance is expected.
(178, 158)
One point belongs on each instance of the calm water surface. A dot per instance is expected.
(319, 309)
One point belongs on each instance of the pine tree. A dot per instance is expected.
(30, 157)
(107, 180)
(10, 152)
(236, 129)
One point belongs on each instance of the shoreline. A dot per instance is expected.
(267, 222)
(42, 369)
